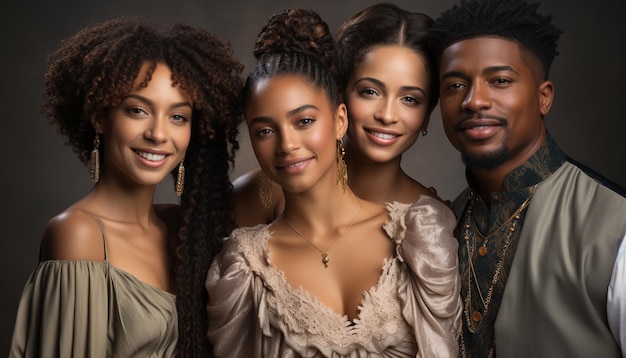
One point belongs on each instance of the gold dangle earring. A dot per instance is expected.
(342, 170)
(180, 178)
(265, 190)
(94, 170)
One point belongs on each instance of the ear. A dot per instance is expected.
(96, 123)
(341, 120)
(427, 118)
(546, 96)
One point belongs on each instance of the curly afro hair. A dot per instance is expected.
(511, 19)
(93, 70)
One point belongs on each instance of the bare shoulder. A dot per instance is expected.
(247, 203)
(373, 213)
(419, 190)
(73, 235)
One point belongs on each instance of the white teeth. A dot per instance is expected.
(151, 156)
(383, 135)
(294, 165)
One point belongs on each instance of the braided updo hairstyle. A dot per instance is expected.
(295, 42)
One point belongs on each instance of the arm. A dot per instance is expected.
(616, 301)
(433, 303)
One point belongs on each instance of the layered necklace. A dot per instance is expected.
(325, 255)
(511, 227)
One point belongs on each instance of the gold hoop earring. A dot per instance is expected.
(180, 178)
(265, 191)
(94, 170)
(342, 170)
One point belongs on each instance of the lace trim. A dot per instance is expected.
(305, 319)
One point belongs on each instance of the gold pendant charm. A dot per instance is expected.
(482, 251)
(325, 259)
(476, 316)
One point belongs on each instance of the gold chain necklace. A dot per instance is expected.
(325, 256)
(475, 316)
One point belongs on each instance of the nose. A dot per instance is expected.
(477, 98)
(156, 131)
(288, 141)
(386, 112)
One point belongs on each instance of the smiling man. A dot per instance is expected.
(539, 234)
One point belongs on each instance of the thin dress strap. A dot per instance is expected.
(104, 236)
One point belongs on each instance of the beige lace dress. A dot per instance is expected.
(413, 310)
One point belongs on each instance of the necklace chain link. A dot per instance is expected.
(325, 255)
(512, 221)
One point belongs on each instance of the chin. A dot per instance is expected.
(485, 160)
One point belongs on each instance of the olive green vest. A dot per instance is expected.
(554, 302)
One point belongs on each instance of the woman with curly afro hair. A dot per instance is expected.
(137, 101)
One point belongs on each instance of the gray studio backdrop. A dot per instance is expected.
(41, 177)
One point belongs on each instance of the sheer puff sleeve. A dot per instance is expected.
(431, 299)
(233, 324)
(63, 311)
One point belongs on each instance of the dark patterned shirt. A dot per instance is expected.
(500, 231)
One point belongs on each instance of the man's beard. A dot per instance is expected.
(490, 160)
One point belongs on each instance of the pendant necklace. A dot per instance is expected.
(473, 317)
(325, 256)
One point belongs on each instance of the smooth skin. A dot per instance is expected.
(144, 138)
(387, 100)
(294, 130)
(387, 104)
(493, 99)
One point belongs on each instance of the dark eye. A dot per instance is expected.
(179, 118)
(135, 110)
(411, 100)
(501, 81)
(305, 122)
(368, 92)
(263, 132)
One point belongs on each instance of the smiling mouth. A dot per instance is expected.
(151, 156)
(385, 136)
(293, 165)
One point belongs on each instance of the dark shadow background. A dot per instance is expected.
(41, 177)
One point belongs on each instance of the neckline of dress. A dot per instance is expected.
(350, 324)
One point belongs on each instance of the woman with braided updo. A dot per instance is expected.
(388, 78)
(138, 101)
(333, 275)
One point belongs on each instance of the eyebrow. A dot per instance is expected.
(382, 84)
(150, 103)
(289, 114)
(488, 70)
(493, 69)
(301, 109)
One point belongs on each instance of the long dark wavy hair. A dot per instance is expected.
(93, 70)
